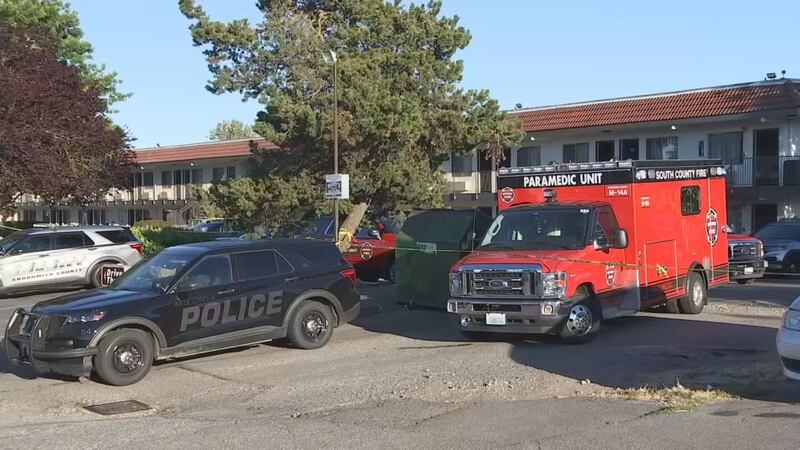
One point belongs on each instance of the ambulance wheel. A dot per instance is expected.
(311, 325)
(696, 295)
(583, 321)
(124, 357)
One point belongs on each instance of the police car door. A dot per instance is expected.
(264, 286)
(69, 253)
(201, 296)
(28, 263)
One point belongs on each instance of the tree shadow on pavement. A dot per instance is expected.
(632, 352)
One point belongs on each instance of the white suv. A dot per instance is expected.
(47, 257)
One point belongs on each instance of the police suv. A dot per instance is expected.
(46, 257)
(186, 300)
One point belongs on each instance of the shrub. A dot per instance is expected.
(155, 239)
(152, 224)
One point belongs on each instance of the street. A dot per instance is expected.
(404, 378)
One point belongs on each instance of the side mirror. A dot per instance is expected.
(600, 243)
(621, 240)
(158, 287)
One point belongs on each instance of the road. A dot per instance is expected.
(400, 378)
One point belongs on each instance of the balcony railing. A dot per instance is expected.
(764, 171)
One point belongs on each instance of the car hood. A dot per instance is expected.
(741, 237)
(784, 243)
(89, 300)
(795, 304)
(549, 259)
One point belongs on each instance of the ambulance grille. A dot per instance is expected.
(500, 283)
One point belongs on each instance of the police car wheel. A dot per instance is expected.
(311, 325)
(124, 357)
(696, 294)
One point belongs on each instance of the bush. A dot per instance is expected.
(152, 224)
(155, 239)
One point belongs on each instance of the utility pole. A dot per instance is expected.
(335, 145)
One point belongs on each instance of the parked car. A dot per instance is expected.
(745, 258)
(189, 299)
(782, 245)
(221, 230)
(789, 341)
(40, 258)
(372, 251)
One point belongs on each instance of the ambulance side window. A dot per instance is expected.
(690, 200)
(606, 224)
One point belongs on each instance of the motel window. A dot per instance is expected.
(690, 200)
(461, 164)
(217, 173)
(629, 149)
(148, 179)
(529, 156)
(29, 215)
(662, 148)
(576, 152)
(604, 150)
(727, 147)
(230, 172)
(95, 217)
(197, 176)
(166, 178)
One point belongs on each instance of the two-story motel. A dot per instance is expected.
(162, 186)
(752, 127)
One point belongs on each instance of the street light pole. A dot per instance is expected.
(335, 145)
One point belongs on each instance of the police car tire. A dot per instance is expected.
(104, 361)
(94, 278)
(687, 303)
(296, 334)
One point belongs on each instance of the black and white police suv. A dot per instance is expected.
(186, 300)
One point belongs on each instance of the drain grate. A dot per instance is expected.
(124, 407)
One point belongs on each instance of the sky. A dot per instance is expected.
(533, 52)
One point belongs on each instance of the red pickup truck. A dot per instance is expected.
(371, 251)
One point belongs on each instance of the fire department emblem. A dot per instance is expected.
(365, 251)
(712, 226)
(661, 271)
(507, 195)
(611, 274)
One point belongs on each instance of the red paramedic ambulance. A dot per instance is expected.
(574, 244)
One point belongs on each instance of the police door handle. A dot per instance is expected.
(226, 291)
(291, 279)
(91, 249)
(42, 256)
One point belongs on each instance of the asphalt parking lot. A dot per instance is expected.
(400, 378)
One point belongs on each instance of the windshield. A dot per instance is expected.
(156, 273)
(8, 242)
(779, 232)
(538, 229)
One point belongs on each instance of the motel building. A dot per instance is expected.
(752, 127)
(162, 186)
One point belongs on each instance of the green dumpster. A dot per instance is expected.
(429, 243)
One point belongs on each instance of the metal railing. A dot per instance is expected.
(764, 171)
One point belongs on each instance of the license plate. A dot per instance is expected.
(766, 264)
(748, 270)
(495, 319)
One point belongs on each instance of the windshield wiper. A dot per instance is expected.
(497, 246)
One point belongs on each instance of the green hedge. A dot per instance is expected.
(155, 239)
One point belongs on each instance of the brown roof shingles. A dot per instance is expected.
(723, 101)
(208, 150)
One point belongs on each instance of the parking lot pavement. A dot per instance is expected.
(406, 378)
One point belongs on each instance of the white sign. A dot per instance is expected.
(337, 186)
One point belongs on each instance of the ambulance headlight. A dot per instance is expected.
(554, 284)
(93, 316)
(456, 288)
